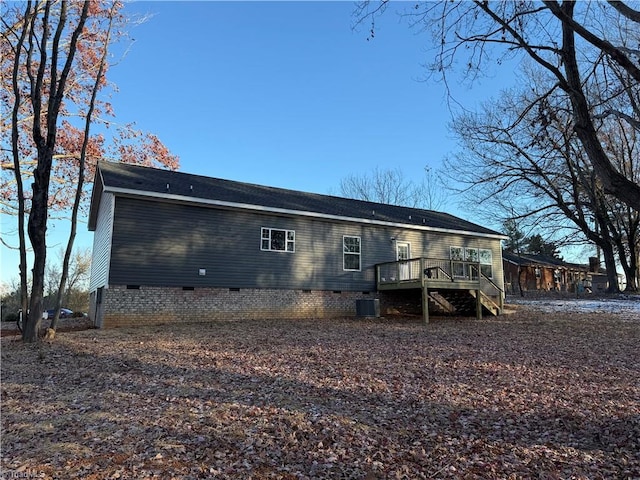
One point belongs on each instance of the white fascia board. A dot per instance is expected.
(285, 211)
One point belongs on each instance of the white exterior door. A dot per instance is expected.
(403, 251)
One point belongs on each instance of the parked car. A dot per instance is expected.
(64, 313)
(45, 315)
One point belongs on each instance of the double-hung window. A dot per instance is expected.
(463, 260)
(351, 253)
(457, 263)
(486, 263)
(471, 256)
(277, 240)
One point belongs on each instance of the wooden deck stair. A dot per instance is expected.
(487, 303)
(462, 302)
(440, 304)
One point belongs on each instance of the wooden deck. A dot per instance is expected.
(447, 285)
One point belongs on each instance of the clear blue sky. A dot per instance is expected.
(285, 94)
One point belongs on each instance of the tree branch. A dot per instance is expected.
(614, 52)
(625, 10)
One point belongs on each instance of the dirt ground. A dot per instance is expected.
(533, 394)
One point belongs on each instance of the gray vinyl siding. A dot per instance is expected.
(437, 245)
(166, 244)
(102, 243)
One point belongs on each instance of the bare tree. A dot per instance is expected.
(533, 156)
(553, 149)
(550, 34)
(622, 143)
(392, 187)
(434, 189)
(55, 52)
(47, 72)
(61, 288)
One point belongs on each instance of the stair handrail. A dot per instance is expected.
(495, 286)
(438, 270)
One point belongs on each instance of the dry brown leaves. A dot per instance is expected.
(527, 395)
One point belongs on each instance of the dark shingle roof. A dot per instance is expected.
(165, 183)
(528, 259)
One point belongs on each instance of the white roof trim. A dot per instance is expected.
(286, 211)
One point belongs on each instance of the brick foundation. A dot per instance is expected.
(121, 306)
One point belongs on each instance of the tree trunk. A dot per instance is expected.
(610, 265)
(613, 181)
(630, 265)
(24, 291)
(37, 228)
(630, 268)
(630, 275)
(520, 281)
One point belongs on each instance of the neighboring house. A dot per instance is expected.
(174, 247)
(540, 272)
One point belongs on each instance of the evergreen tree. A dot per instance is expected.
(536, 245)
(516, 238)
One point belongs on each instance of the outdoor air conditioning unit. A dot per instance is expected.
(368, 307)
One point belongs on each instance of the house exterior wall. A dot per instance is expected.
(543, 278)
(102, 243)
(438, 245)
(158, 250)
(168, 244)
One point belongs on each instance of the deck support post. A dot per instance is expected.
(425, 294)
(478, 305)
(425, 304)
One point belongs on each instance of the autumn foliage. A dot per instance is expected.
(56, 123)
(109, 139)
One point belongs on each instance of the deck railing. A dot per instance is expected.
(418, 272)
(433, 269)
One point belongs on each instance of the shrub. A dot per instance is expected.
(10, 317)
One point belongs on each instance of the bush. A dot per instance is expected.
(11, 317)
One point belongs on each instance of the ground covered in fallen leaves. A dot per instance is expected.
(527, 395)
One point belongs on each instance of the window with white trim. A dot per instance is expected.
(457, 265)
(351, 253)
(277, 240)
(486, 262)
(457, 253)
(471, 254)
(463, 259)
